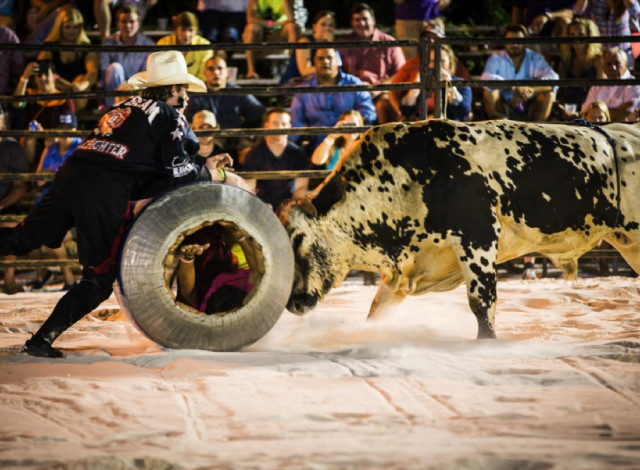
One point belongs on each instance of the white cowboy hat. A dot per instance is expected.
(166, 68)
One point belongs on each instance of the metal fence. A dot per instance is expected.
(428, 80)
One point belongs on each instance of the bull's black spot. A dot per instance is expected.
(386, 177)
(390, 236)
(331, 192)
(551, 192)
(487, 284)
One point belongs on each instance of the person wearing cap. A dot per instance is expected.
(205, 120)
(52, 158)
(55, 154)
(140, 148)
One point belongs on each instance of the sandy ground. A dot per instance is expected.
(560, 389)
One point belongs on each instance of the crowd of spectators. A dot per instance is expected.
(54, 71)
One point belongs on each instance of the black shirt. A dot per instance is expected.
(232, 111)
(260, 158)
(146, 137)
(13, 159)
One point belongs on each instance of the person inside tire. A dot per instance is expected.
(214, 270)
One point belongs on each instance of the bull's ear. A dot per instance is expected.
(306, 206)
(331, 192)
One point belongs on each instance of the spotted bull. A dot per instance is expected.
(432, 204)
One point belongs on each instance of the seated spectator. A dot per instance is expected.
(222, 20)
(622, 101)
(7, 14)
(12, 62)
(76, 71)
(102, 12)
(231, 111)
(613, 18)
(334, 146)
(205, 120)
(412, 16)
(301, 63)
(372, 65)
(40, 18)
(117, 67)
(456, 103)
(276, 153)
(324, 109)
(39, 115)
(543, 17)
(596, 111)
(185, 27)
(53, 156)
(578, 60)
(517, 62)
(268, 21)
(13, 159)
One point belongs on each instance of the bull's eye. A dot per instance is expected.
(297, 241)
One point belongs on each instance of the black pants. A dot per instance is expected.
(96, 202)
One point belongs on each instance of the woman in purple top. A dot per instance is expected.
(411, 16)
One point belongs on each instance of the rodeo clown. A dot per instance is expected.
(140, 148)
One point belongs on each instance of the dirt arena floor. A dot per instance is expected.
(560, 389)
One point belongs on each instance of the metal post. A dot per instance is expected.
(436, 86)
(425, 51)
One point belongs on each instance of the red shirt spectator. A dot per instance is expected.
(370, 64)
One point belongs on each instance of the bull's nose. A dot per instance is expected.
(301, 304)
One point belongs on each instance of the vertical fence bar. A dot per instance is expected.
(435, 85)
(425, 50)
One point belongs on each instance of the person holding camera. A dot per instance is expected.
(76, 71)
(331, 149)
(38, 78)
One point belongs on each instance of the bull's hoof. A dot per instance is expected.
(486, 333)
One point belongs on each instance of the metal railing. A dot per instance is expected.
(427, 80)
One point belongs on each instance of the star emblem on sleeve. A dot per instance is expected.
(177, 134)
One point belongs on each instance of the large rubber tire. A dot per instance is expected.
(144, 294)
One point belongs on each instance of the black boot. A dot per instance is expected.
(81, 299)
(37, 346)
